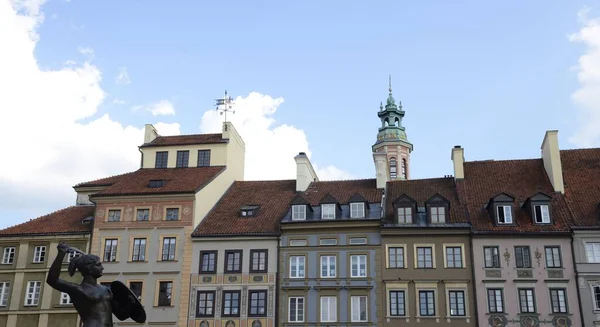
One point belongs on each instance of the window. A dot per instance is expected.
(504, 214)
(358, 240)
(426, 303)
(139, 249)
(593, 252)
(258, 303)
(183, 158)
(358, 265)
(403, 169)
(327, 266)
(231, 303)
(9, 255)
(296, 309)
(172, 214)
(357, 210)
(393, 168)
(457, 303)
(553, 257)
(233, 261)
(438, 214)
(165, 293)
(114, 215)
(206, 304)
(208, 262)
(33, 293)
(136, 289)
(558, 298)
(328, 309)
(596, 295)
(156, 183)
(258, 260)
(396, 257)
(4, 292)
(161, 159)
(405, 215)
(299, 212)
(297, 267)
(495, 300)
(297, 242)
(39, 254)
(203, 158)
(110, 249)
(522, 257)
(397, 307)
(143, 214)
(454, 257)
(542, 214)
(328, 211)
(65, 299)
(491, 256)
(328, 241)
(168, 249)
(424, 257)
(359, 308)
(526, 300)
(72, 255)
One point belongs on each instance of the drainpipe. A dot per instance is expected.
(277, 293)
(576, 278)
(476, 308)
(142, 158)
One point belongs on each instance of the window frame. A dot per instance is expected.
(158, 159)
(402, 212)
(352, 308)
(391, 308)
(330, 317)
(328, 265)
(535, 214)
(266, 260)
(215, 263)
(158, 297)
(565, 299)
(358, 266)
(595, 251)
(206, 301)
(113, 220)
(496, 256)
(389, 257)
(65, 299)
(182, 159)
(464, 303)
(596, 296)
(203, 160)
(461, 254)
(420, 307)
(168, 253)
(489, 303)
(169, 217)
(437, 214)
(393, 166)
(432, 255)
(137, 214)
(240, 263)
(265, 305)
(37, 290)
(504, 216)
(294, 260)
(298, 214)
(113, 252)
(5, 292)
(8, 257)
(523, 264)
(231, 307)
(533, 301)
(360, 212)
(353, 241)
(297, 307)
(141, 255)
(141, 283)
(39, 253)
(558, 251)
(330, 207)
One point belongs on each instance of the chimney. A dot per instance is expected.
(551, 159)
(458, 159)
(150, 133)
(305, 173)
(381, 171)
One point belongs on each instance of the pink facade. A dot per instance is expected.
(554, 288)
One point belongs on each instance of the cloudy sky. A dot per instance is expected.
(79, 79)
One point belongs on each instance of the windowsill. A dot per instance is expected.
(204, 317)
(232, 272)
(555, 268)
(258, 272)
(167, 260)
(229, 316)
(103, 262)
(397, 317)
(490, 268)
(359, 277)
(455, 267)
(171, 219)
(164, 306)
(263, 316)
(395, 267)
(427, 317)
(458, 317)
(62, 306)
(137, 261)
(207, 273)
(496, 313)
(37, 263)
(30, 305)
(528, 314)
(6, 264)
(560, 314)
(423, 268)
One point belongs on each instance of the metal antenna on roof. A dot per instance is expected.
(225, 105)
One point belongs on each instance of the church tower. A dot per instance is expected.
(391, 151)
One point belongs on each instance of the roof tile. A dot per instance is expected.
(582, 190)
(189, 139)
(64, 221)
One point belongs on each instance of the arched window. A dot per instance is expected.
(386, 123)
(393, 168)
(403, 168)
(397, 122)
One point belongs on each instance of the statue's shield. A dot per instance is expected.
(128, 304)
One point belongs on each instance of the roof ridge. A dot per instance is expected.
(112, 176)
(502, 160)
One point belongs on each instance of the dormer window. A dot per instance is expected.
(437, 209)
(405, 215)
(328, 211)
(299, 212)
(504, 214)
(248, 211)
(438, 214)
(405, 209)
(156, 183)
(357, 210)
(541, 213)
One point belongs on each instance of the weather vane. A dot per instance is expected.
(225, 105)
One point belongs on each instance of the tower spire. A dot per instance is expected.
(390, 85)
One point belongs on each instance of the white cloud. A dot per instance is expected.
(87, 52)
(119, 101)
(331, 173)
(161, 108)
(49, 148)
(123, 76)
(587, 97)
(270, 147)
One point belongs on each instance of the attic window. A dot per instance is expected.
(504, 214)
(87, 220)
(328, 211)
(299, 212)
(542, 213)
(438, 214)
(248, 211)
(156, 183)
(357, 210)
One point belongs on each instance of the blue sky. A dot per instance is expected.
(490, 76)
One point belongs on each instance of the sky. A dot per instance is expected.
(79, 79)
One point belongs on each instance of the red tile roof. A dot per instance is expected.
(106, 181)
(518, 178)
(422, 190)
(581, 169)
(178, 180)
(186, 140)
(62, 222)
(343, 190)
(273, 198)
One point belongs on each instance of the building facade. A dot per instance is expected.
(329, 255)
(425, 238)
(28, 251)
(234, 262)
(144, 219)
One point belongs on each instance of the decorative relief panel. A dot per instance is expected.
(538, 256)
(270, 303)
(192, 309)
(218, 302)
(507, 257)
(207, 279)
(498, 321)
(187, 211)
(100, 213)
(555, 274)
(258, 278)
(244, 300)
(493, 273)
(561, 321)
(128, 213)
(525, 273)
(529, 321)
(156, 211)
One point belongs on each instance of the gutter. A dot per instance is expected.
(576, 278)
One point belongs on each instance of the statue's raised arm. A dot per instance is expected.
(94, 303)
